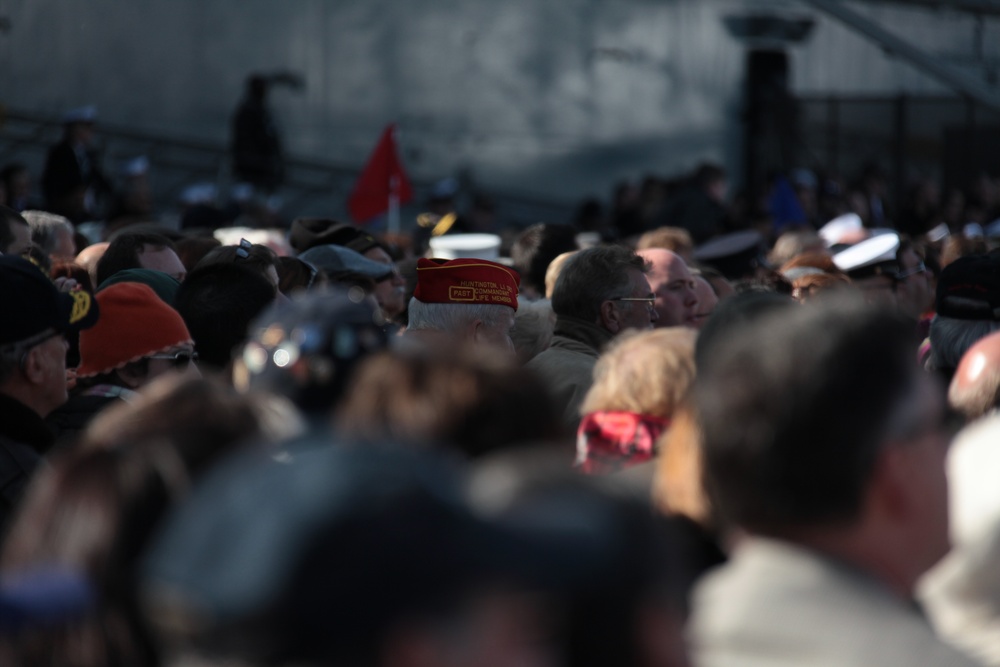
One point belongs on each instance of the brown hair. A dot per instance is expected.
(675, 239)
(203, 419)
(816, 260)
(809, 286)
(473, 403)
(645, 372)
(93, 512)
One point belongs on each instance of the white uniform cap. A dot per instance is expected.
(87, 114)
(877, 249)
(941, 232)
(453, 246)
(833, 231)
(973, 230)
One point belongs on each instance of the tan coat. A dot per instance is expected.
(780, 605)
(567, 366)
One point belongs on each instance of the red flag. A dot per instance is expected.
(382, 180)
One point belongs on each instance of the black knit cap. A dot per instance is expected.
(969, 288)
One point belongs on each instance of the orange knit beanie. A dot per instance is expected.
(134, 323)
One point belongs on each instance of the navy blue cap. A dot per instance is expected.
(43, 597)
(30, 304)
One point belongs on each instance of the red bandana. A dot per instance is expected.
(611, 440)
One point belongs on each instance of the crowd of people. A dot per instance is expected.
(692, 438)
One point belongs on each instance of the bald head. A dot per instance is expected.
(88, 258)
(975, 387)
(673, 286)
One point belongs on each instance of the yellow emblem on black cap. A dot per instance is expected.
(81, 305)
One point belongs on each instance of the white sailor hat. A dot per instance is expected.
(840, 227)
(87, 114)
(872, 257)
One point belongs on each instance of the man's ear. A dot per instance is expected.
(475, 332)
(33, 365)
(609, 317)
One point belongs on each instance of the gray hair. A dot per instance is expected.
(534, 325)
(453, 316)
(951, 338)
(44, 227)
(593, 276)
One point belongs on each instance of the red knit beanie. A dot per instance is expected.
(134, 323)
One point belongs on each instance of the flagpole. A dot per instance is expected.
(394, 204)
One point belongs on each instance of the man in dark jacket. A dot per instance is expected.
(36, 317)
(257, 157)
(72, 180)
(600, 293)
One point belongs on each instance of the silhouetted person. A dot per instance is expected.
(72, 181)
(256, 147)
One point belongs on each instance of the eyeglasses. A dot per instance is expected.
(650, 301)
(178, 360)
(919, 268)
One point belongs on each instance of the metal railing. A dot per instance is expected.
(312, 187)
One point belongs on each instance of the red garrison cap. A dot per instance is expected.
(466, 280)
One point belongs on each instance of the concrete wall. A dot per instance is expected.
(558, 98)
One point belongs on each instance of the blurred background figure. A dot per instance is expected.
(17, 187)
(15, 234)
(975, 388)
(467, 401)
(533, 251)
(256, 142)
(73, 182)
(961, 593)
(306, 349)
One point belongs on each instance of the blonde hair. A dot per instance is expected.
(678, 487)
(645, 372)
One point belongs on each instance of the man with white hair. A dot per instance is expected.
(53, 234)
(463, 301)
